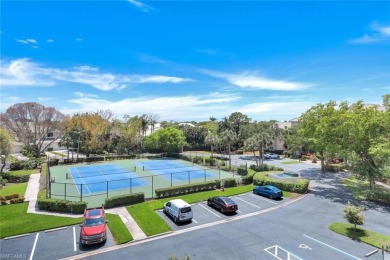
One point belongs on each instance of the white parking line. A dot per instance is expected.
(23, 235)
(35, 244)
(74, 239)
(258, 196)
(195, 221)
(249, 203)
(55, 229)
(209, 210)
(341, 251)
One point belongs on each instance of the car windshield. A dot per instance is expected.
(185, 210)
(90, 222)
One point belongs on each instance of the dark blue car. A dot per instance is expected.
(269, 191)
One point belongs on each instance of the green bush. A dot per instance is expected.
(63, 206)
(334, 167)
(11, 178)
(16, 166)
(242, 171)
(298, 185)
(184, 189)
(379, 195)
(95, 159)
(265, 168)
(230, 182)
(240, 152)
(53, 162)
(248, 179)
(123, 200)
(50, 149)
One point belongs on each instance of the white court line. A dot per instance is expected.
(209, 210)
(74, 239)
(35, 244)
(195, 221)
(82, 179)
(249, 203)
(341, 251)
(258, 196)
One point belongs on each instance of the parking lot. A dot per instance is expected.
(203, 214)
(49, 244)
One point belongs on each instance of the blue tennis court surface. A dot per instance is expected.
(179, 171)
(100, 178)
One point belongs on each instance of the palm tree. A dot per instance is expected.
(213, 140)
(229, 137)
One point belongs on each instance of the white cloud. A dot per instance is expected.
(21, 41)
(23, 72)
(32, 41)
(143, 7)
(254, 81)
(79, 40)
(50, 40)
(378, 33)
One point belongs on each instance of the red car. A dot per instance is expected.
(222, 203)
(94, 227)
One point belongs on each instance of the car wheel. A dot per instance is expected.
(164, 210)
(175, 219)
(222, 210)
(271, 197)
(208, 203)
(254, 192)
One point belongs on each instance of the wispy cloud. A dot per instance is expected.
(378, 33)
(23, 72)
(31, 42)
(143, 7)
(79, 40)
(253, 81)
(50, 40)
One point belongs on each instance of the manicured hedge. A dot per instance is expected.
(53, 162)
(229, 182)
(123, 200)
(94, 159)
(11, 178)
(64, 206)
(120, 157)
(265, 168)
(334, 167)
(242, 171)
(379, 195)
(11, 199)
(248, 179)
(298, 185)
(183, 189)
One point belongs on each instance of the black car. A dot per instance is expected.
(222, 203)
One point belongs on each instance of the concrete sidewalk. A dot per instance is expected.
(31, 196)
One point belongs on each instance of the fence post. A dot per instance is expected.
(204, 175)
(171, 180)
(219, 172)
(152, 186)
(143, 167)
(81, 192)
(65, 191)
(130, 185)
(189, 178)
(107, 189)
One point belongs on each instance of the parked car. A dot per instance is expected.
(179, 210)
(271, 156)
(269, 191)
(94, 227)
(222, 203)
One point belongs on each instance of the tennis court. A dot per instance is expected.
(176, 170)
(95, 182)
(99, 178)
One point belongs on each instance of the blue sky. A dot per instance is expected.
(189, 60)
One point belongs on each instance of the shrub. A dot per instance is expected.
(95, 159)
(183, 189)
(248, 179)
(230, 182)
(298, 185)
(16, 178)
(50, 149)
(16, 166)
(379, 195)
(265, 168)
(123, 200)
(64, 206)
(334, 167)
(53, 162)
(240, 152)
(242, 171)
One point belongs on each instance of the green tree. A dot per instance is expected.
(168, 139)
(213, 140)
(5, 147)
(354, 214)
(294, 142)
(228, 138)
(321, 125)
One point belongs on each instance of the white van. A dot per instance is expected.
(179, 210)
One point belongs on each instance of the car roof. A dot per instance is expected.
(271, 187)
(180, 203)
(94, 213)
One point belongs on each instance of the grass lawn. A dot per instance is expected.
(290, 162)
(364, 235)
(12, 188)
(15, 220)
(58, 154)
(144, 213)
(118, 229)
(359, 188)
